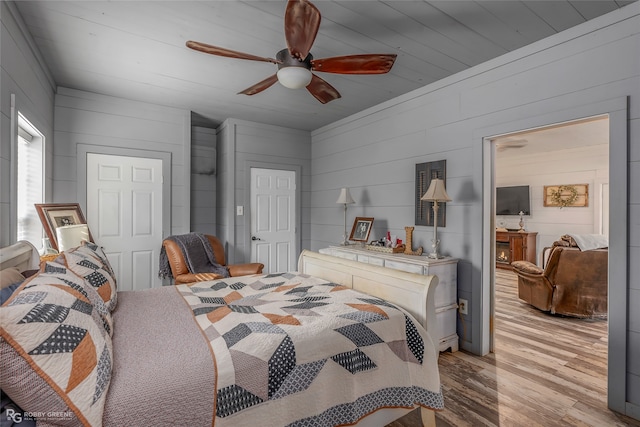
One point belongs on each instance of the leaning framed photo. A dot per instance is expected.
(361, 229)
(54, 215)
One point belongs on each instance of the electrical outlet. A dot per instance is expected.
(463, 307)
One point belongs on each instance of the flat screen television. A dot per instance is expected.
(512, 200)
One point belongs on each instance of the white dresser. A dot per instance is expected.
(446, 293)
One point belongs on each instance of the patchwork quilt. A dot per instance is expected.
(295, 350)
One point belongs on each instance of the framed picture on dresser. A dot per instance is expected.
(361, 229)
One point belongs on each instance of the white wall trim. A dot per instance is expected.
(617, 109)
(13, 181)
(81, 178)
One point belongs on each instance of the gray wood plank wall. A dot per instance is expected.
(203, 179)
(243, 144)
(102, 121)
(374, 152)
(33, 87)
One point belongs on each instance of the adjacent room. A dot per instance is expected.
(293, 212)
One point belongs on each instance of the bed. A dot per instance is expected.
(335, 343)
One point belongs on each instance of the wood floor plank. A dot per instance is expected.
(546, 371)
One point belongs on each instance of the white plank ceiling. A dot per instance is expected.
(136, 49)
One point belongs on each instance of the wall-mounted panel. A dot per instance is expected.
(143, 213)
(109, 213)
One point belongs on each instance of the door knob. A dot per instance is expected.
(255, 238)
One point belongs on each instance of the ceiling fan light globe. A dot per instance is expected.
(294, 77)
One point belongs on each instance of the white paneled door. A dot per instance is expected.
(273, 219)
(124, 213)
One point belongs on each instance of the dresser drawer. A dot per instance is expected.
(346, 255)
(446, 320)
(396, 265)
(446, 293)
(376, 261)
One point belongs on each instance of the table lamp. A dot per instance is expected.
(345, 199)
(70, 236)
(435, 193)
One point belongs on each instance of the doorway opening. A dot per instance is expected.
(574, 155)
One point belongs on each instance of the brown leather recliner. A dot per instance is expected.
(573, 283)
(180, 269)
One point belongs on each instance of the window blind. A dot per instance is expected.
(30, 186)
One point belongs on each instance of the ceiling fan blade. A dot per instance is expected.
(355, 64)
(322, 90)
(220, 51)
(259, 87)
(301, 23)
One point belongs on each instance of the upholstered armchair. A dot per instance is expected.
(573, 282)
(180, 268)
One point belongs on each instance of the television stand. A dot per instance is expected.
(514, 245)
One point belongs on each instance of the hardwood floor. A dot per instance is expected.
(546, 371)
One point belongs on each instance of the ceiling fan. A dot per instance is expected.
(295, 63)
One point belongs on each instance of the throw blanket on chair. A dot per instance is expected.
(198, 254)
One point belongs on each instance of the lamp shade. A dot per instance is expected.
(70, 236)
(436, 192)
(345, 197)
(294, 77)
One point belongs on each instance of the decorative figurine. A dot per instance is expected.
(521, 223)
(408, 249)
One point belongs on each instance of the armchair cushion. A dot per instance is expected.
(526, 267)
(193, 252)
(533, 285)
(182, 274)
(195, 277)
(245, 269)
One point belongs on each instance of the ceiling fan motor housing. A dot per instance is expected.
(286, 60)
(292, 73)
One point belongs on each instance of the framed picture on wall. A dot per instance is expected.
(425, 172)
(361, 229)
(568, 195)
(54, 215)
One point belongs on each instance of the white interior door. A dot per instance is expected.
(273, 219)
(124, 213)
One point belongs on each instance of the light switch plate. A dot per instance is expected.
(239, 210)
